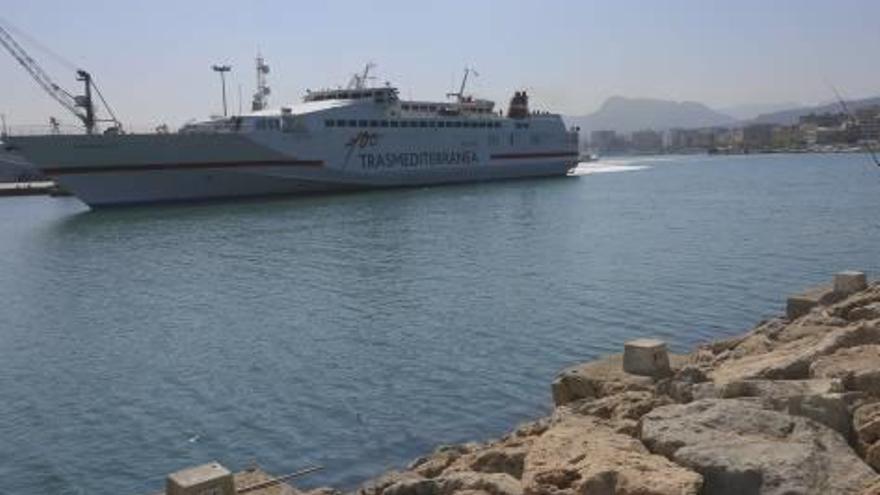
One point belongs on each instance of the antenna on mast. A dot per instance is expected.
(460, 95)
(261, 96)
(359, 81)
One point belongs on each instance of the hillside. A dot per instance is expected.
(632, 114)
(791, 116)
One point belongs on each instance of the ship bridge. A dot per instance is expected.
(379, 95)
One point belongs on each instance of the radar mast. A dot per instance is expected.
(460, 95)
(359, 81)
(260, 101)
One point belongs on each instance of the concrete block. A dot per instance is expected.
(850, 282)
(646, 357)
(207, 479)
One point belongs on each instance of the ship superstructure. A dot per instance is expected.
(345, 138)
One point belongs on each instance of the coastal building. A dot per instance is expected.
(647, 141)
(605, 141)
(691, 139)
(786, 137)
(758, 136)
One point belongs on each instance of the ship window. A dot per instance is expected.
(352, 123)
(374, 123)
(423, 123)
(362, 123)
(432, 108)
(497, 125)
(384, 123)
(457, 123)
(432, 123)
(405, 107)
(329, 123)
(440, 123)
(340, 123)
(394, 123)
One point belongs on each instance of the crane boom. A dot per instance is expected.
(71, 103)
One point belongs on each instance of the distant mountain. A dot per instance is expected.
(791, 116)
(633, 114)
(749, 111)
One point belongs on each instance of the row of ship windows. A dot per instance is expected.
(411, 123)
(434, 108)
(418, 123)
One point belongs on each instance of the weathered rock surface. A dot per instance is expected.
(597, 379)
(822, 400)
(490, 483)
(866, 425)
(741, 448)
(791, 359)
(621, 411)
(583, 456)
(857, 367)
(603, 377)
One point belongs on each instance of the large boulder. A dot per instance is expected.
(620, 411)
(821, 400)
(377, 486)
(597, 379)
(791, 359)
(581, 455)
(507, 459)
(866, 425)
(601, 378)
(858, 368)
(458, 482)
(742, 448)
(850, 309)
(434, 464)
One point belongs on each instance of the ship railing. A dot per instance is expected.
(74, 130)
(41, 130)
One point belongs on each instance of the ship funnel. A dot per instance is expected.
(519, 106)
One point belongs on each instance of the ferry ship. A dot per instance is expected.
(357, 137)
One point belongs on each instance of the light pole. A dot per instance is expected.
(222, 69)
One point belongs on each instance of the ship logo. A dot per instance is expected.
(360, 140)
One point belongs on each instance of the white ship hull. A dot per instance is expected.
(326, 146)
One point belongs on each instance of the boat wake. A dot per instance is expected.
(608, 166)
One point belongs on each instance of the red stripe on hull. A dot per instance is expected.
(177, 166)
(551, 154)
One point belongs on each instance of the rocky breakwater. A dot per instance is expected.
(791, 407)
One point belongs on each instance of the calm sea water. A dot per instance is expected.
(357, 331)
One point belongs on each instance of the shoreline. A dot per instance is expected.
(740, 415)
(791, 406)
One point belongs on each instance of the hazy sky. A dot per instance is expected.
(152, 59)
